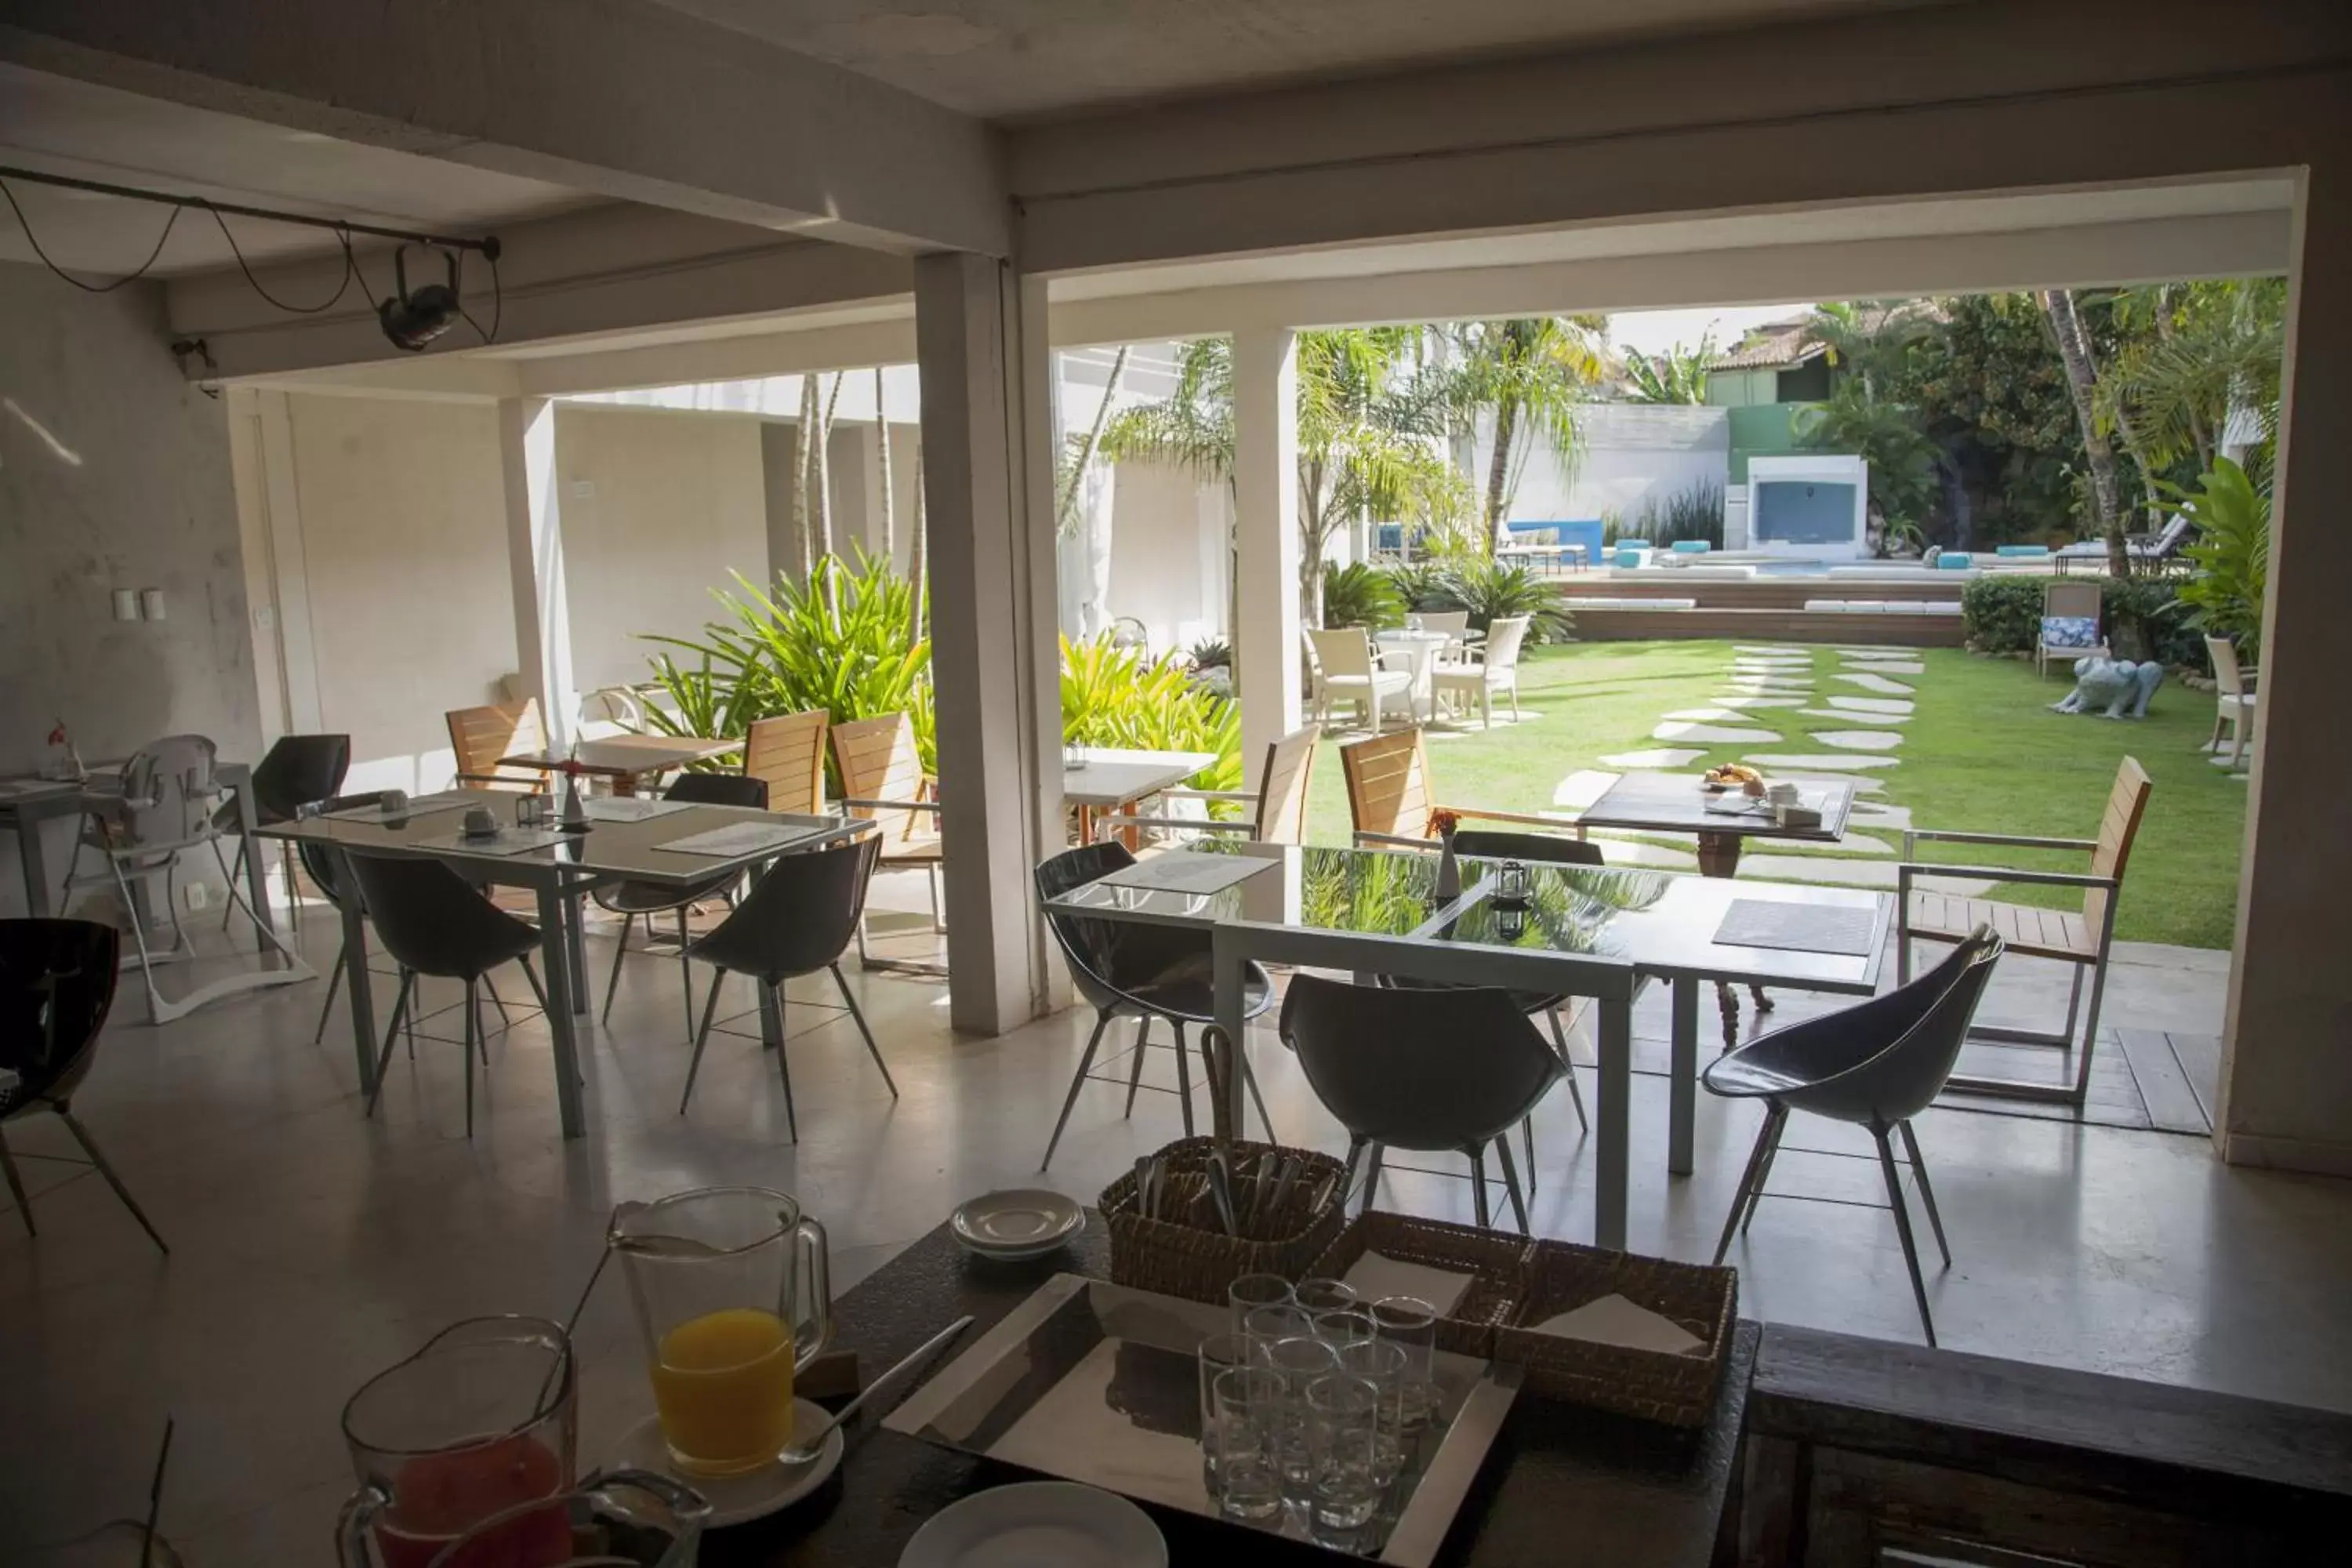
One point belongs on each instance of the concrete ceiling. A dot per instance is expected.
(65, 127)
(1027, 58)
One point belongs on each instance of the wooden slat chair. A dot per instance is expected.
(2083, 939)
(786, 752)
(1278, 813)
(2080, 601)
(1392, 797)
(882, 780)
(480, 736)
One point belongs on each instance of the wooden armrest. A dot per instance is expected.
(930, 806)
(1529, 818)
(1393, 840)
(1948, 836)
(1905, 869)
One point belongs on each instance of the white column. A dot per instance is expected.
(1265, 496)
(535, 560)
(980, 334)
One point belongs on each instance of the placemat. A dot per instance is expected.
(1186, 871)
(1798, 927)
(741, 838)
(631, 807)
(505, 841)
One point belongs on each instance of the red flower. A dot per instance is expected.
(1442, 823)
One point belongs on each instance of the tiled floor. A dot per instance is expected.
(311, 1248)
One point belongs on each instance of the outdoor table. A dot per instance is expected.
(1424, 648)
(625, 759)
(563, 874)
(1622, 1490)
(26, 803)
(1113, 778)
(1676, 803)
(1594, 932)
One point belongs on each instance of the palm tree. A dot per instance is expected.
(1531, 372)
(1902, 459)
(1675, 375)
(2211, 350)
(2083, 382)
(1868, 338)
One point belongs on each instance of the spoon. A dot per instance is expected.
(812, 1443)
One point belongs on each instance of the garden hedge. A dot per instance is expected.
(2002, 614)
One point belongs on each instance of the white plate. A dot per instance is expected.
(734, 1499)
(1027, 1222)
(1033, 1523)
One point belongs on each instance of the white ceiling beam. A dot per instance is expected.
(639, 102)
(851, 347)
(2215, 246)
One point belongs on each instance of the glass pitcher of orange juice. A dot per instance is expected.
(733, 1297)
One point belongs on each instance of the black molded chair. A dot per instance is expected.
(1877, 1065)
(57, 984)
(1422, 1070)
(635, 900)
(297, 771)
(1126, 969)
(800, 917)
(433, 922)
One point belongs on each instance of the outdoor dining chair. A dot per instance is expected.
(294, 772)
(786, 752)
(633, 902)
(1421, 1070)
(883, 781)
(57, 980)
(2233, 696)
(1876, 1065)
(2070, 626)
(1278, 805)
(1125, 969)
(1392, 800)
(1348, 668)
(1482, 670)
(479, 737)
(797, 918)
(2083, 939)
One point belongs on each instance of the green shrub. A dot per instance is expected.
(1358, 595)
(1694, 512)
(843, 641)
(1488, 589)
(2230, 552)
(1421, 584)
(2003, 615)
(1211, 653)
(1114, 696)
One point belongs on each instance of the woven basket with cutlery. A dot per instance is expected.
(1673, 1387)
(1199, 1215)
(1496, 1263)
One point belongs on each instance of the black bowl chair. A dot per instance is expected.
(1422, 1070)
(635, 900)
(1876, 1065)
(57, 982)
(1541, 848)
(1128, 969)
(433, 922)
(800, 917)
(297, 771)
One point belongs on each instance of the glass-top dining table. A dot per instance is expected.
(1599, 932)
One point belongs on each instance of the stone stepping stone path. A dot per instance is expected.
(1859, 739)
(1704, 715)
(1875, 706)
(1845, 717)
(1877, 683)
(1889, 666)
(1825, 762)
(1714, 734)
(1750, 700)
(1619, 851)
(1784, 651)
(1581, 788)
(1657, 757)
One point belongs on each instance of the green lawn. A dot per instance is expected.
(1981, 753)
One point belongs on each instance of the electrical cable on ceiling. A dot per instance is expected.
(400, 307)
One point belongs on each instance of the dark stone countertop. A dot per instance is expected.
(1560, 1482)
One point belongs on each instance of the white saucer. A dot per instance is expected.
(735, 1499)
(1008, 1226)
(1034, 1523)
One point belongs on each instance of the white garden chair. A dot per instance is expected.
(1492, 667)
(2234, 698)
(1348, 668)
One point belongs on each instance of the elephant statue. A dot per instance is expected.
(2115, 687)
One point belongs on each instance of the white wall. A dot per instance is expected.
(1630, 453)
(403, 550)
(114, 473)
(659, 507)
(1167, 545)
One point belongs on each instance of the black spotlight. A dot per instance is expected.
(413, 320)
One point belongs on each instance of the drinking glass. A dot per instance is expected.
(1220, 1353)
(1244, 1406)
(1381, 1364)
(1251, 1291)
(1269, 1325)
(1298, 1362)
(733, 1297)
(1324, 1295)
(482, 1421)
(616, 1518)
(1344, 1326)
(1411, 1324)
(1342, 1419)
